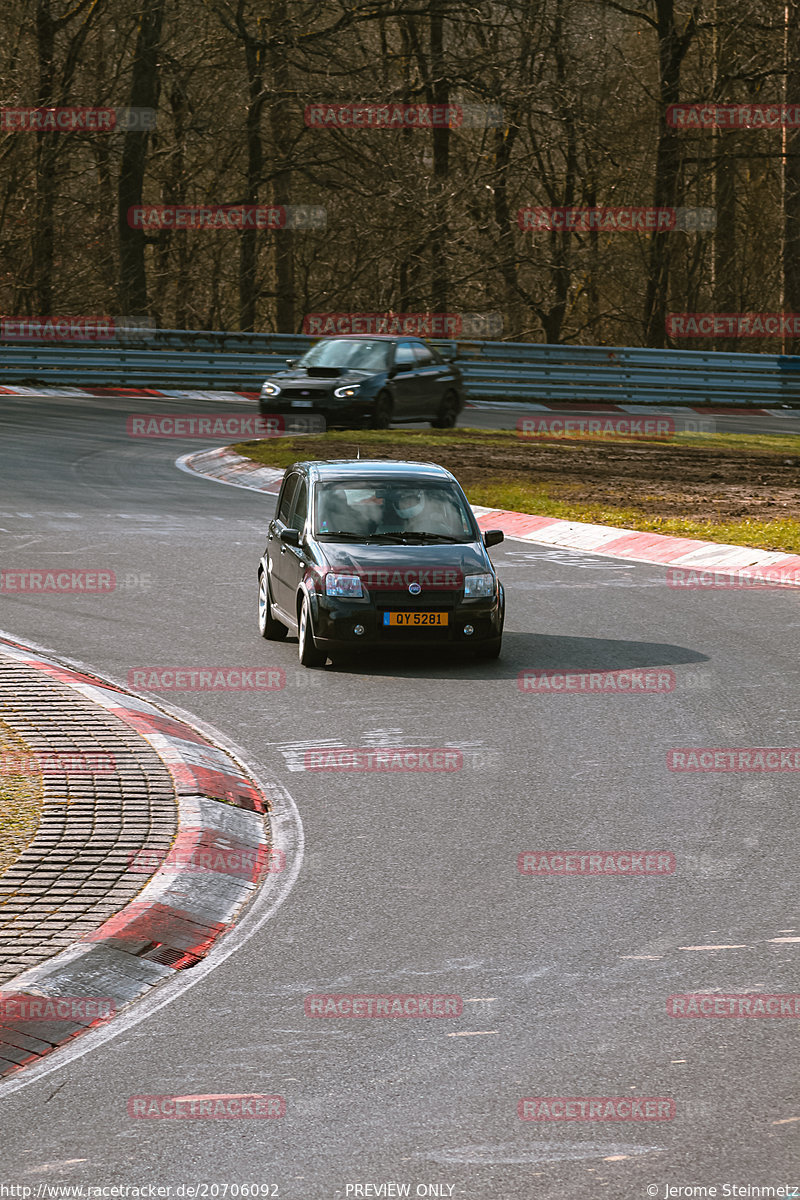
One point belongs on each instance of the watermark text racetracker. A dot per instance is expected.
(623, 681)
(56, 581)
(610, 425)
(64, 119)
(734, 758)
(621, 219)
(397, 115)
(247, 862)
(80, 1010)
(596, 862)
(735, 1004)
(733, 116)
(299, 217)
(207, 679)
(596, 1108)
(392, 1005)
(216, 425)
(426, 325)
(75, 329)
(12, 763)
(389, 758)
(733, 325)
(237, 1106)
(753, 577)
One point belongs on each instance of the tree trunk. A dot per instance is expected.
(672, 47)
(440, 95)
(143, 94)
(248, 244)
(280, 131)
(45, 168)
(726, 276)
(791, 176)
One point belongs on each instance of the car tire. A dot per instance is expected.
(490, 649)
(382, 412)
(448, 412)
(308, 651)
(268, 626)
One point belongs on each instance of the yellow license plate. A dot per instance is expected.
(415, 618)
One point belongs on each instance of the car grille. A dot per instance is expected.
(425, 602)
(305, 393)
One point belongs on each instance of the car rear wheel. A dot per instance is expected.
(309, 652)
(382, 413)
(448, 412)
(268, 627)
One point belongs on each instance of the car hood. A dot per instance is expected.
(468, 559)
(303, 375)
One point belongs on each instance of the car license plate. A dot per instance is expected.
(415, 618)
(302, 404)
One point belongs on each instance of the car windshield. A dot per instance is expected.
(399, 510)
(347, 353)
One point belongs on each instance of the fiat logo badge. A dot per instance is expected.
(414, 588)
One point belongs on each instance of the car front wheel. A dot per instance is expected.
(382, 412)
(268, 627)
(308, 651)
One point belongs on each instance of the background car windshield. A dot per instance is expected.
(369, 510)
(342, 352)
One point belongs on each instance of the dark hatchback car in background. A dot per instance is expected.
(360, 381)
(375, 554)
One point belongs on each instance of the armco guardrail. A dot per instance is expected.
(492, 370)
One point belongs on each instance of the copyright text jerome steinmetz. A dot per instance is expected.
(745, 1191)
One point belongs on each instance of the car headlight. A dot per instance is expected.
(270, 389)
(478, 585)
(344, 393)
(342, 585)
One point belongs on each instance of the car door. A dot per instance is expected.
(279, 564)
(406, 383)
(293, 558)
(430, 375)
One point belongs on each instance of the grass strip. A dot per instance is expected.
(21, 795)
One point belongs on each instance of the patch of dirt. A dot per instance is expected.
(668, 480)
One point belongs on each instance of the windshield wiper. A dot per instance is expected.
(342, 533)
(434, 537)
(388, 537)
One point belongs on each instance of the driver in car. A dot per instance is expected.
(395, 510)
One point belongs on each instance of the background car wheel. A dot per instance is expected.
(382, 414)
(268, 627)
(307, 648)
(490, 649)
(448, 412)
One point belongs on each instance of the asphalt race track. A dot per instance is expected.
(410, 881)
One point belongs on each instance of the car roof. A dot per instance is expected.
(355, 468)
(372, 337)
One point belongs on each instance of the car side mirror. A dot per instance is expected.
(291, 362)
(493, 537)
(290, 537)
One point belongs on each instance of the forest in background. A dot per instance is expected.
(567, 103)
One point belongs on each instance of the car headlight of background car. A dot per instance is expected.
(342, 585)
(478, 585)
(345, 393)
(270, 389)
